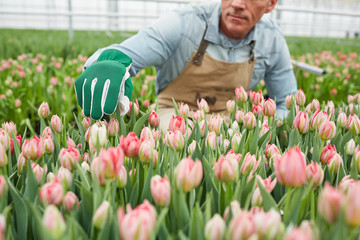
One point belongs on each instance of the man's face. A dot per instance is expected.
(238, 17)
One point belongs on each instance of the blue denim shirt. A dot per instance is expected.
(169, 42)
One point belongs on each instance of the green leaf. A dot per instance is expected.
(197, 224)
(140, 124)
(40, 231)
(146, 193)
(345, 139)
(268, 200)
(134, 195)
(294, 138)
(21, 212)
(255, 139)
(316, 149)
(159, 223)
(247, 190)
(86, 207)
(31, 187)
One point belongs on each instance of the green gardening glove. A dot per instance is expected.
(105, 84)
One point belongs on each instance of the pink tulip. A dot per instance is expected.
(211, 140)
(3, 156)
(146, 151)
(184, 110)
(270, 150)
(235, 141)
(334, 163)
(249, 121)
(10, 128)
(174, 140)
(301, 122)
(225, 169)
(188, 174)
(147, 135)
(203, 105)
(230, 106)
(64, 176)
(317, 118)
(177, 123)
(98, 134)
(102, 213)
(86, 122)
(353, 124)
(111, 161)
(235, 209)
(33, 149)
(352, 206)
(215, 124)
(137, 223)
(239, 116)
(130, 144)
(49, 145)
(327, 153)
(256, 98)
(70, 202)
(288, 101)
(268, 224)
(242, 226)
(315, 104)
(97, 171)
(21, 163)
(290, 169)
(198, 115)
(154, 119)
(346, 184)
(44, 110)
(241, 95)
(264, 129)
(56, 124)
(191, 147)
(267, 183)
(314, 174)
(69, 157)
(350, 147)
(160, 190)
(47, 133)
(54, 221)
(249, 164)
(17, 103)
(113, 127)
(52, 193)
(327, 130)
(269, 108)
(4, 139)
(329, 203)
(215, 228)
(121, 178)
(3, 186)
(257, 110)
(300, 98)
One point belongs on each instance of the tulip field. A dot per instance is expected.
(246, 175)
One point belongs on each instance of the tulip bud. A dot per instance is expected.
(314, 174)
(33, 149)
(146, 151)
(198, 115)
(130, 144)
(44, 110)
(301, 122)
(47, 133)
(121, 178)
(113, 127)
(188, 174)
(69, 157)
(10, 128)
(350, 147)
(111, 160)
(329, 203)
(271, 149)
(56, 123)
(352, 206)
(160, 190)
(315, 104)
(341, 120)
(346, 184)
(49, 145)
(269, 108)
(4, 139)
(202, 126)
(86, 122)
(21, 163)
(268, 224)
(215, 124)
(230, 106)
(225, 169)
(239, 116)
(191, 147)
(249, 121)
(288, 101)
(242, 226)
(70, 201)
(235, 141)
(250, 164)
(334, 163)
(215, 228)
(64, 176)
(211, 140)
(147, 135)
(3, 156)
(290, 168)
(235, 209)
(353, 124)
(85, 166)
(300, 98)
(51, 193)
(98, 134)
(2, 226)
(257, 98)
(327, 130)
(154, 119)
(101, 215)
(184, 110)
(174, 140)
(203, 105)
(54, 221)
(177, 123)
(327, 153)
(241, 95)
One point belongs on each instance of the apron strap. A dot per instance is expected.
(201, 51)
(252, 52)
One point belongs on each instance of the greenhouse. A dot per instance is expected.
(179, 119)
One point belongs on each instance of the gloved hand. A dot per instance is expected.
(105, 84)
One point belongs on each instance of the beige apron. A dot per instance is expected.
(208, 78)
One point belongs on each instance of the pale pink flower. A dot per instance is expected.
(3, 156)
(314, 174)
(69, 157)
(70, 202)
(49, 144)
(184, 110)
(329, 203)
(215, 228)
(154, 119)
(341, 120)
(270, 150)
(235, 209)
(54, 81)
(111, 160)
(198, 115)
(3, 186)
(290, 168)
(10, 128)
(268, 224)
(241, 95)
(328, 152)
(52, 192)
(334, 163)
(146, 151)
(353, 124)
(301, 122)
(33, 149)
(288, 101)
(21, 163)
(188, 174)
(102, 213)
(137, 223)
(203, 105)
(136, 107)
(130, 144)
(160, 190)
(327, 130)
(256, 98)
(249, 120)
(211, 140)
(86, 122)
(215, 124)
(113, 127)
(242, 226)
(177, 123)
(239, 116)
(249, 164)
(56, 123)
(174, 140)
(4, 139)
(230, 106)
(225, 169)
(54, 221)
(44, 110)
(98, 134)
(346, 184)
(17, 102)
(269, 108)
(121, 178)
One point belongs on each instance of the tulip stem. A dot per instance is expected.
(312, 209)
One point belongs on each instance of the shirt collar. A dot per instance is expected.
(214, 35)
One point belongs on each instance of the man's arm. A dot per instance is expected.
(280, 80)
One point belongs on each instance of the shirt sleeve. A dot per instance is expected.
(151, 46)
(280, 80)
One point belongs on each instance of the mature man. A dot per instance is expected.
(201, 51)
